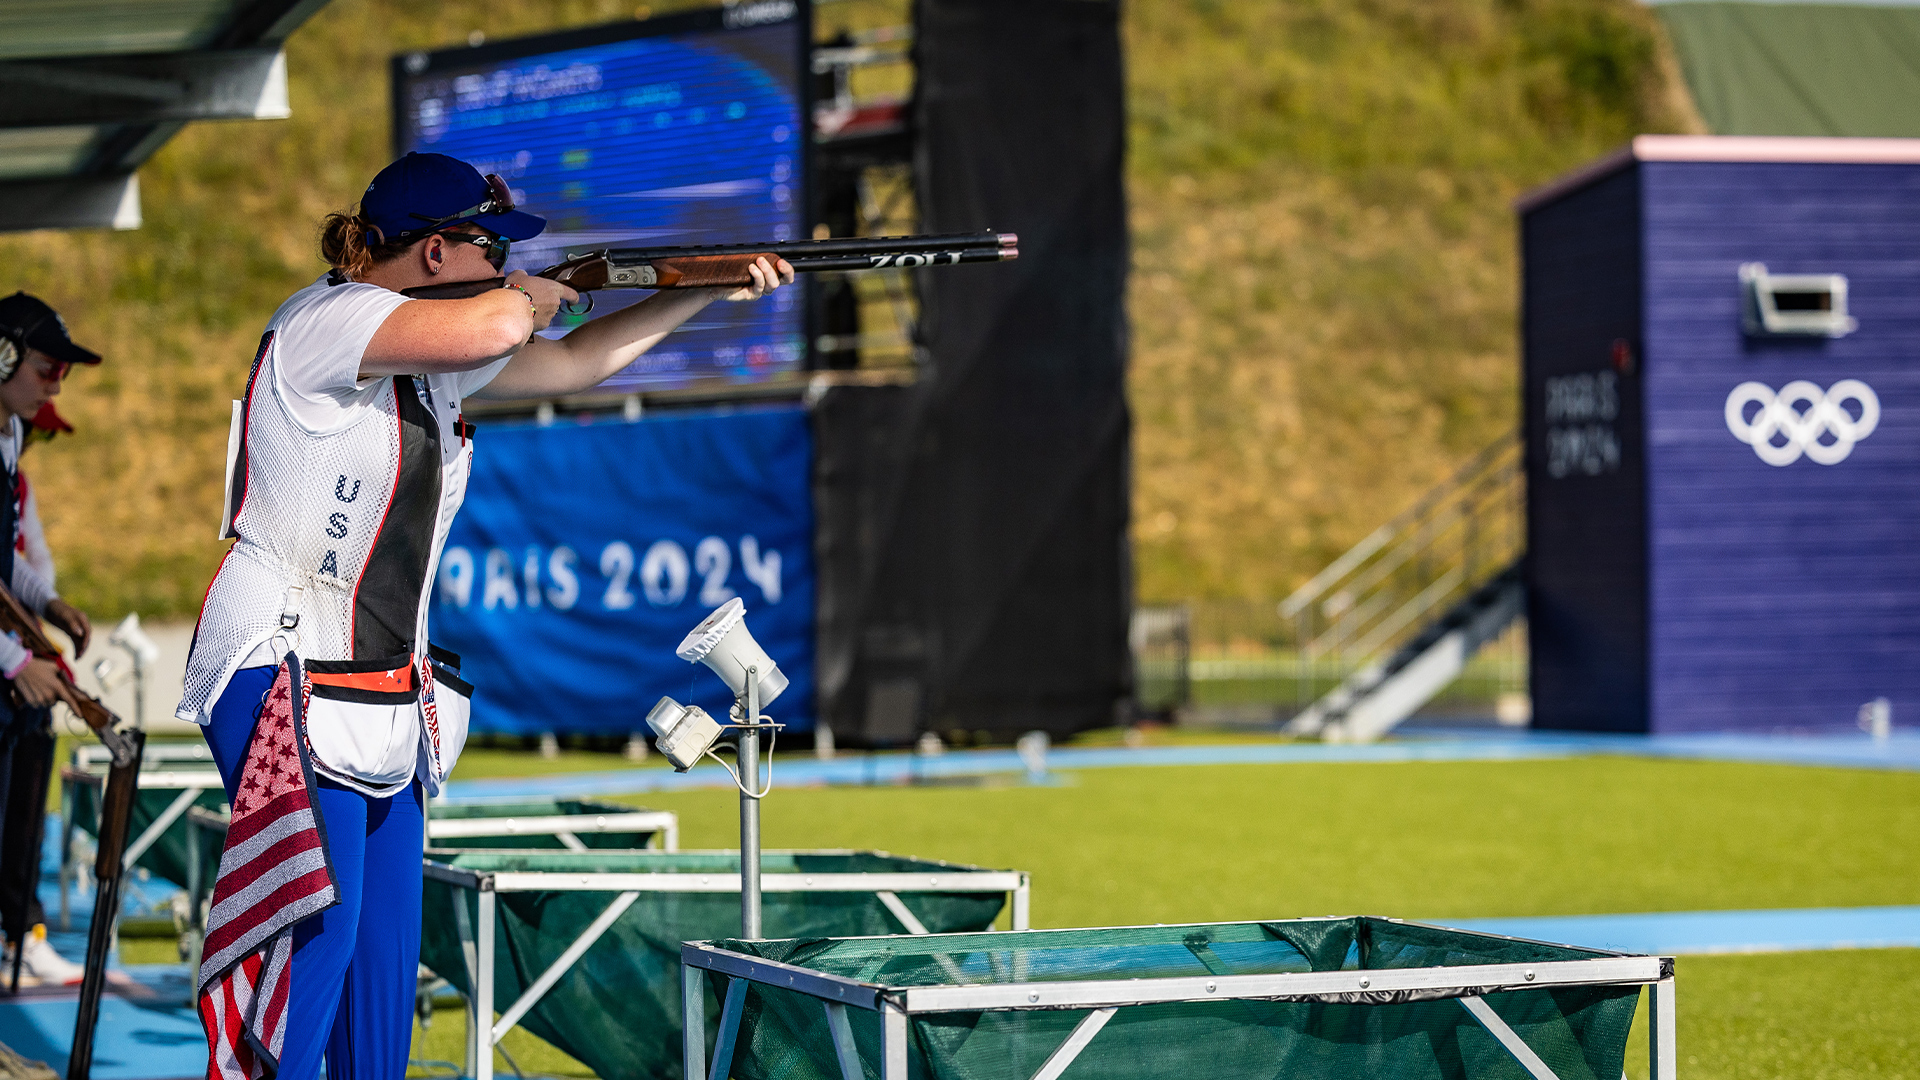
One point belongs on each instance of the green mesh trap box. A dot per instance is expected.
(583, 948)
(1350, 998)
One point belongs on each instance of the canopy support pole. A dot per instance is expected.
(1077, 1041)
(1509, 1038)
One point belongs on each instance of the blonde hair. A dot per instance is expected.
(353, 245)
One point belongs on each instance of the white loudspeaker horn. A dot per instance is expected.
(130, 637)
(722, 642)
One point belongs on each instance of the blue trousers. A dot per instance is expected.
(355, 964)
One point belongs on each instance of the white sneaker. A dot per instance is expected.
(41, 962)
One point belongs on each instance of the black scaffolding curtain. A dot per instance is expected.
(975, 573)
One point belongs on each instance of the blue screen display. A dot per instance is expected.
(663, 138)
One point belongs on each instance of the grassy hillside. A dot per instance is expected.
(1323, 303)
(1324, 291)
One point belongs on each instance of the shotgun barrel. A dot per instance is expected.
(849, 245)
(726, 266)
(116, 821)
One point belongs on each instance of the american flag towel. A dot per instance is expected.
(274, 872)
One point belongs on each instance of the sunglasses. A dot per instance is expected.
(499, 200)
(52, 370)
(496, 247)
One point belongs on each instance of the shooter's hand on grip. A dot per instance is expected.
(32, 684)
(40, 684)
(547, 296)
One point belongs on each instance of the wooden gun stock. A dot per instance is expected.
(17, 620)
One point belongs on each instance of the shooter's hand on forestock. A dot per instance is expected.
(767, 276)
(72, 622)
(40, 684)
(31, 683)
(547, 296)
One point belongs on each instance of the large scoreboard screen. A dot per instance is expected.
(685, 129)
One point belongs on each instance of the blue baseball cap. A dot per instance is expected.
(422, 193)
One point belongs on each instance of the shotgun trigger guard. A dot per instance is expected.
(569, 309)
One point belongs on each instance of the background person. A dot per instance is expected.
(35, 355)
(353, 459)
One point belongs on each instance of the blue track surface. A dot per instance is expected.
(147, 1030)
(1899, 753)
(1704, 932)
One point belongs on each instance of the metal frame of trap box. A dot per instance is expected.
(1467, 984)
(664, 824)
(192, 783)
(477, 942)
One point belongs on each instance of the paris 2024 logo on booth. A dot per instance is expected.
(1802, 419)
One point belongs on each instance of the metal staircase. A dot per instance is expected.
(1406, 608)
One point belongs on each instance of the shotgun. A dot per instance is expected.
(711, 267)
(17, 620)
(116, 819)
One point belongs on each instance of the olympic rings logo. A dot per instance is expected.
(1798, 419)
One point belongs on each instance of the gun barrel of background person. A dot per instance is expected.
(711, 267)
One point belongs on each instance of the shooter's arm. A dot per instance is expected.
(595, 351)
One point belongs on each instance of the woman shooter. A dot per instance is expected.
(350, 460)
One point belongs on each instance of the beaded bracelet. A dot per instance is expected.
(531, 306)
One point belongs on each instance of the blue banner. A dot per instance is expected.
(586, 552)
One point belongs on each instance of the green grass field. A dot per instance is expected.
(1434, 841)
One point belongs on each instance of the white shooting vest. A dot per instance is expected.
(338, 541)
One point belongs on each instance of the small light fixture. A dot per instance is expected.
(684, 733)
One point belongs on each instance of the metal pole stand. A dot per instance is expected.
(749, 757)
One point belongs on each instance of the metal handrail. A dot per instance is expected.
(1455, 537)
(1318, 585)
